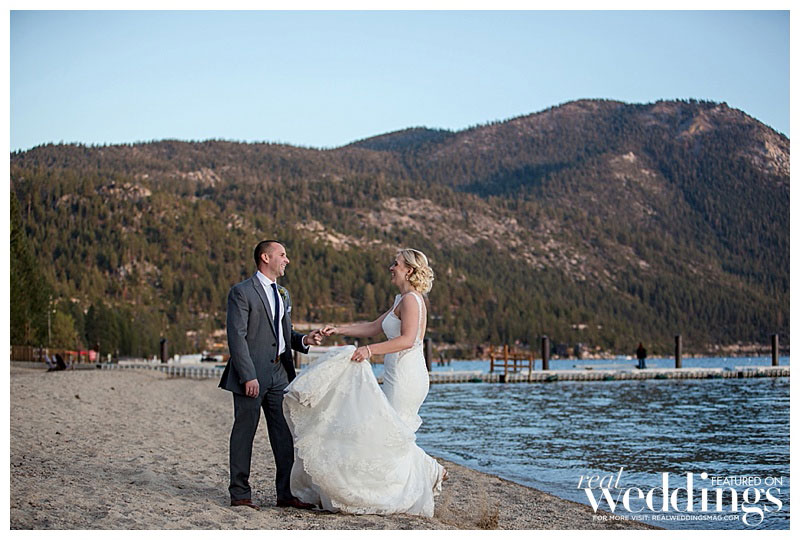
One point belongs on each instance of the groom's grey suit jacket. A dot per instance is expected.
(251, 337)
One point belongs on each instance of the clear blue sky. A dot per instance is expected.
(324, 79)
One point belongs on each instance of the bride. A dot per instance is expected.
(355, 446)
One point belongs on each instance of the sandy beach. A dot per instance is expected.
(95, 449)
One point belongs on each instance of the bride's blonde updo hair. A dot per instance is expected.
(421, 277)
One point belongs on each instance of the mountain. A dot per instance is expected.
(594, 222)
(404, 140)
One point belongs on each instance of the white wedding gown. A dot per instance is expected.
(354, 445)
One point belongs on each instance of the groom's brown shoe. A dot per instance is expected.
(294, 502)
(244, 502)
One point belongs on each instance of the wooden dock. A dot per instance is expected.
(554, 375)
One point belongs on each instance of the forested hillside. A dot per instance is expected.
(594, 222)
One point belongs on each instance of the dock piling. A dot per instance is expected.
(678, 351)
(774, 349)
(545, 353)
(428, 353)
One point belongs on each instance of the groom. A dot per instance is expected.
(260, 339)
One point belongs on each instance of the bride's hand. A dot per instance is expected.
(329, 331)
(361, 354)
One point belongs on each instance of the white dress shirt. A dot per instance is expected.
(267, 284)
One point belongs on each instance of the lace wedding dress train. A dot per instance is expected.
(355, 447)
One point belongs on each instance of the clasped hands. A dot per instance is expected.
(315, 337)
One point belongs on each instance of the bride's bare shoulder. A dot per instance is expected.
(413, 300)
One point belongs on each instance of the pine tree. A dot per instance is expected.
(30, 293)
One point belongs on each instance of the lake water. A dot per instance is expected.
(548, 435)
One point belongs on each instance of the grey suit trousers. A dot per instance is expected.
(247, 414)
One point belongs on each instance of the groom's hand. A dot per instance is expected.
(251, 388)
(314, 338)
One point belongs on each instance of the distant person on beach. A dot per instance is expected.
(51, 363)
(56, 364)
(641, 354)
(260, 340)
(356, 444)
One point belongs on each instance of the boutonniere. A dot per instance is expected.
(285, 295)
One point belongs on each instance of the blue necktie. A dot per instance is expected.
(277, 312)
